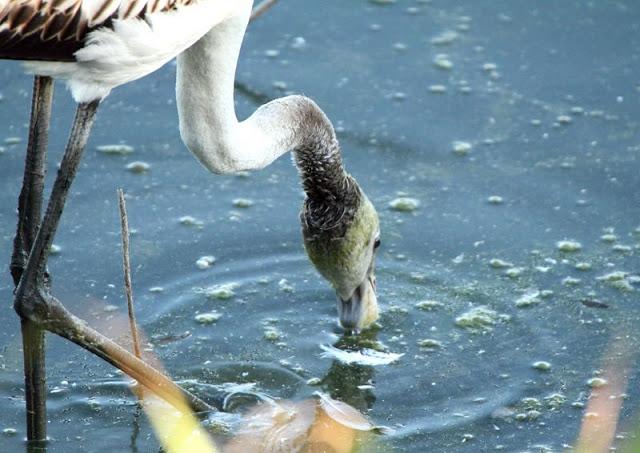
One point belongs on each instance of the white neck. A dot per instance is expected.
(208, 123)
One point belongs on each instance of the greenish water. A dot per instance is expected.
(546, 95)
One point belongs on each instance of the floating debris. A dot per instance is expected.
(564, 119)
(271, 53)
(138, 167)
(461, 148)
(528, 416)
(272, 333)
(437, 89)
(55, 249)
(298, 43)
(528, 299)
(514, 272)
(221, 292)
(541, 365)
(619, 280)
(441, 61)
(119, 149)
(400, 46)
(555, 400)
(594, 303)
(429, 343)
(489, 67)
(382, 2)
(156, 289)
(569, 246)
(444, 38)
(285, 286)
(12, 140)
(404, 204)
(609, 237)
(205, 262)
(480, 319)
(279, 85)
(207, 318)
(369, 357)
(621, 248)
(499, 264)
(429, 305)
(495, 199)
(9, 431)
(571, 281)
(583, 266)
(596, 382)
(188, 220)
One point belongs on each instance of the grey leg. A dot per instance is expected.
(29, 210)
(35, 303)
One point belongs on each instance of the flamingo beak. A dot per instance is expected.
(361, 309)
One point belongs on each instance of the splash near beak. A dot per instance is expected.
(361, 309)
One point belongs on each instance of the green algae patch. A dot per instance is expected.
(221, 292)
(619, 280)
(138, 167)
(461, 148)
(609, 237)
(541, 365)
(272, 333)
(429, 343)
(555, 401)
(499, 264)
(243, 203)
(429, 305)
(514, 272)
(116, 149)
(568, 246)
(596, 382)
(480, 319)
(207, 318)
(528, 299)
(404, 204)
(582, 266)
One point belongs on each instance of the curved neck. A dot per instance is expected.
(210, 129)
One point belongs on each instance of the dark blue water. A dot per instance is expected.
(546, 95)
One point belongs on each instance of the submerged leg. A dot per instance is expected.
(29, 211)
(29, 274)
(35, 303)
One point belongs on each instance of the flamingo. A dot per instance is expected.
(97, 45)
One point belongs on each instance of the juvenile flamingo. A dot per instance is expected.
(96, 45)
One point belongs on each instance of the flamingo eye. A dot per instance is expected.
(376, 243)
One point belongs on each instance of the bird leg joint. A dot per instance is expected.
(36, 304)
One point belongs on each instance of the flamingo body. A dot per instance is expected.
(96, 45)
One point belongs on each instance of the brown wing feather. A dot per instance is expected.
(53, 30)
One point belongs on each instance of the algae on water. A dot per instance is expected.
(480, 319)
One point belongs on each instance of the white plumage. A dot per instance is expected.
(134, 47)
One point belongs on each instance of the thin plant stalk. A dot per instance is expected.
(261, 8)
(126, 265)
